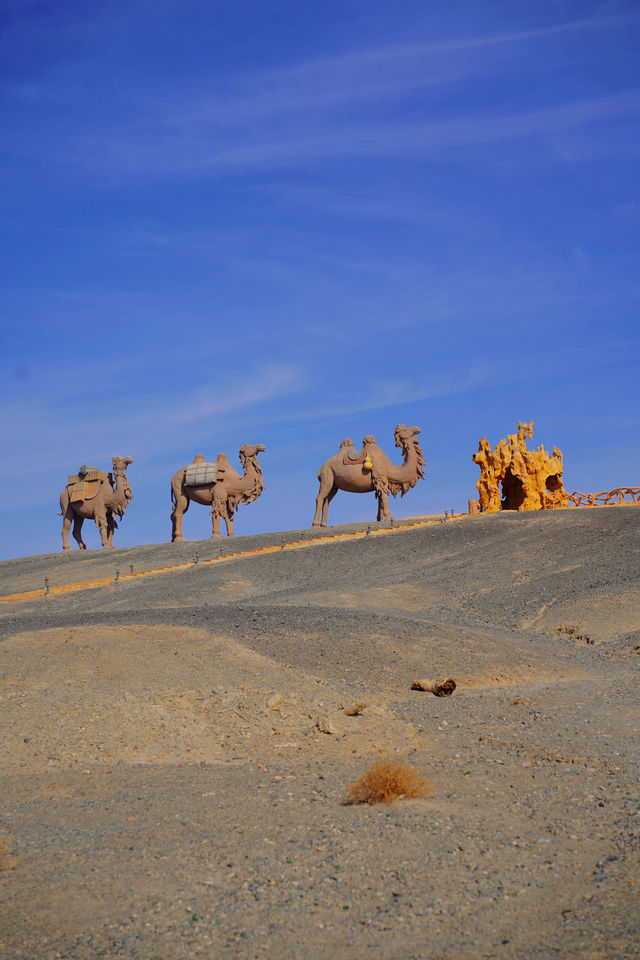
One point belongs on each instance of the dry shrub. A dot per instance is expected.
(389, 780)
(572, 631)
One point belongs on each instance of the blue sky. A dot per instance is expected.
(287, 223)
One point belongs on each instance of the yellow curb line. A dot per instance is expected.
(288, 545)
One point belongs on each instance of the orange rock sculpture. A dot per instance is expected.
(93, 494)
(217, 484)
(512, 477)
(370, 471)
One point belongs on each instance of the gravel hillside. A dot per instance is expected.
(178, 747)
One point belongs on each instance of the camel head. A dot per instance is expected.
(248, 453)
(248, 450)
(404, 434)
(120, 465)
(407, 438)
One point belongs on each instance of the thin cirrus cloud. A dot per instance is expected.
(323, 82)
(481, 373)
(314, 110)
(110, 427)
(276, 381)
(395, 393)
(172, 152)
(347, 78)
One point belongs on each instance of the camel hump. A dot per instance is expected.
(199, 458)
(369, 440)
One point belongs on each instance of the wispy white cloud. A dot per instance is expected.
(463, 377)
(336, 107)
(358, 75)
(212, 151)
(395, 392)
(52, 434)
(345, 77)
(274, 381)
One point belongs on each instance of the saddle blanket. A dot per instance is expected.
(201, 474)
(354, 457)
(83, 490)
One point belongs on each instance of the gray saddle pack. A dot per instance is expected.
(201, 474)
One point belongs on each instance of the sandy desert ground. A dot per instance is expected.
(176, 748)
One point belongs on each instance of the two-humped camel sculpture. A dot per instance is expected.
(216, 484)
(368, 470)
(95, 495)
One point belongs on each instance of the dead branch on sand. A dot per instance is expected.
(439, 688)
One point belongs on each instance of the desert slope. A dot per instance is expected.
(176, 746)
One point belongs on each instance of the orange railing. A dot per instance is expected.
(605, 499)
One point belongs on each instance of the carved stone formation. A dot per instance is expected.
(530, 479)
(370, 471)
(216, 484)
(93, 494)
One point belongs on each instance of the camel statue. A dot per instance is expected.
(217, 484)
(95, 494)
(369, 470)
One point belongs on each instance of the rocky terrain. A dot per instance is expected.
(177, 747)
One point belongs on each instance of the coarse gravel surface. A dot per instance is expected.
(177, 748)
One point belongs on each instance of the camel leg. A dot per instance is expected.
(77, 533)
(68, 517)
(229, 524)
(325, 508)
(381, 508)
(322, 506)
(111, 526)
(101, 524)
(383, 505)
(180, 508)
(218, 509)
